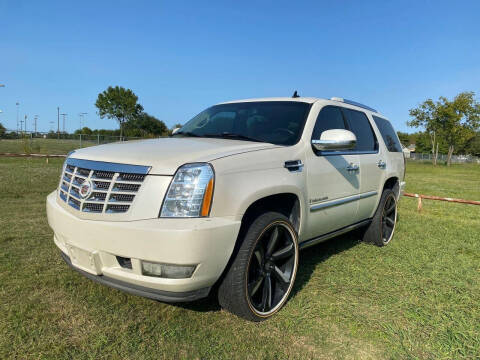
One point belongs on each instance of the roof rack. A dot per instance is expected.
(351, 102)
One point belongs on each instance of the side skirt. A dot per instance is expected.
(307, 243)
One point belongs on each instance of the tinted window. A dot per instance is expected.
(358, 124)
(388, 134)
(277, 122)
(330, 117)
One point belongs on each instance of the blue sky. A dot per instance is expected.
(180, 57)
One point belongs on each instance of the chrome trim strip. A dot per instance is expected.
(341, 201)
(368, 194)
(108, 166)
(360, 105)
(331, 145)
(353, 152)
(335, 202)
(319, 239)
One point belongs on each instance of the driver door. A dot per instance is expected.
(332, 185)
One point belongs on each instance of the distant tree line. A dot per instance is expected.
(449, 126)
(423, 143)
(122, 105)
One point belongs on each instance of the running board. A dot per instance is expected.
(307, 243)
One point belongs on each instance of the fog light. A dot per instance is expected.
(168, 271)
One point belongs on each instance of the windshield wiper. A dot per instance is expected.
(228, 135)
(186, 133)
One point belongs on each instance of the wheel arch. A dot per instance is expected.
(286, 203)
(392, 183)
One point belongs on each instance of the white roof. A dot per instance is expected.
(309, 100)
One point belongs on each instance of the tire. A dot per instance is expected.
(382, 228)
(263, 271)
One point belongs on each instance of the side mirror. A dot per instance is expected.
(335, 139)
(175, 130)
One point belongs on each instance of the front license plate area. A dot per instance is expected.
(85, 260)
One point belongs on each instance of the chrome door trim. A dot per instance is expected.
(368, 194)
(341, 201)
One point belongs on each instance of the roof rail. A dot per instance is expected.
(351, 102)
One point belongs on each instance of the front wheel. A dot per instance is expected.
(262, 274)
(381, 229)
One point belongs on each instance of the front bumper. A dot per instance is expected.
(92, 247)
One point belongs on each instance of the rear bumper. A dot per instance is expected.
(93, 247)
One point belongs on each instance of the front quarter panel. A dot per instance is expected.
(242, 179)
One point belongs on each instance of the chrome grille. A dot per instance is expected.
(114, 186)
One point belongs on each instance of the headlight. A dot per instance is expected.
(190, 193)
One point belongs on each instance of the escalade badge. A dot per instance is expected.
(85, 188)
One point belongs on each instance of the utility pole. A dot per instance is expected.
(58, 122)
(22, 128)
(17, 104)
(81, 115)
(63, 115)
(35, 118)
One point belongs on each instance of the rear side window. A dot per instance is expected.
(330, 117)
(388, 134)
(358, 124)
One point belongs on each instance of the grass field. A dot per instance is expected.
(42, 146)
(418, 298)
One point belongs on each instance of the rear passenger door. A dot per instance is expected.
(371, 162)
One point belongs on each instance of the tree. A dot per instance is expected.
(84, 131)
(404, 138)
(146, 125)
(472, 146)
(118, 103)
(453, 121)
(2, 130)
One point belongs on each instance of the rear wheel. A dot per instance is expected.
(262, 274)
(380, 231)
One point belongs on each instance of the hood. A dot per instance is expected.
(165, 155)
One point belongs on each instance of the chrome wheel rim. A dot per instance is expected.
(389, 218)
(272, 268)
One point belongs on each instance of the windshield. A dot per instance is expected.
(276, 122)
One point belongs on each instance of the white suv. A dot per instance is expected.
(228, 201)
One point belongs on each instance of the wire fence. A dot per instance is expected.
(442, 158)
(53, 143)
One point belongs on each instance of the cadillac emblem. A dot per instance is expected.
(85, 188)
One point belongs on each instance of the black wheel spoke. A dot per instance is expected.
(272, 267)
(255, 285)
(390, 221)
(272, 241)
(284, 253)
(281, 276)
(267, 294)
(390, 209)
(259, 256)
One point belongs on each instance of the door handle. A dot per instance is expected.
(381, 164)
(353, 167)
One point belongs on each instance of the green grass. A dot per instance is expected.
(417, 298)
(42, 146)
